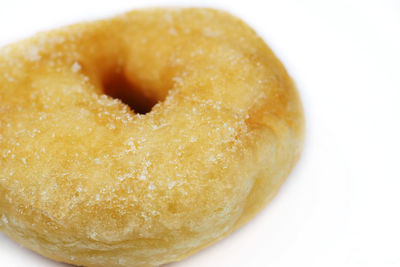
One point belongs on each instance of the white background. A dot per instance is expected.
(341, 204)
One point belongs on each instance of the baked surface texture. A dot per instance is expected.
(84, 179)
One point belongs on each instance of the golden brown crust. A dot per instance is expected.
(85, 180)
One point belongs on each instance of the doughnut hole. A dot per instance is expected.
(117, 85)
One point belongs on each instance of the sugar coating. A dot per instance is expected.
(76, 67)
(84, 179)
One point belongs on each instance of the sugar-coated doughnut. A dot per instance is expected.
(141, 139)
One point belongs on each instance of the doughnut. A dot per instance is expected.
(141, 139)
